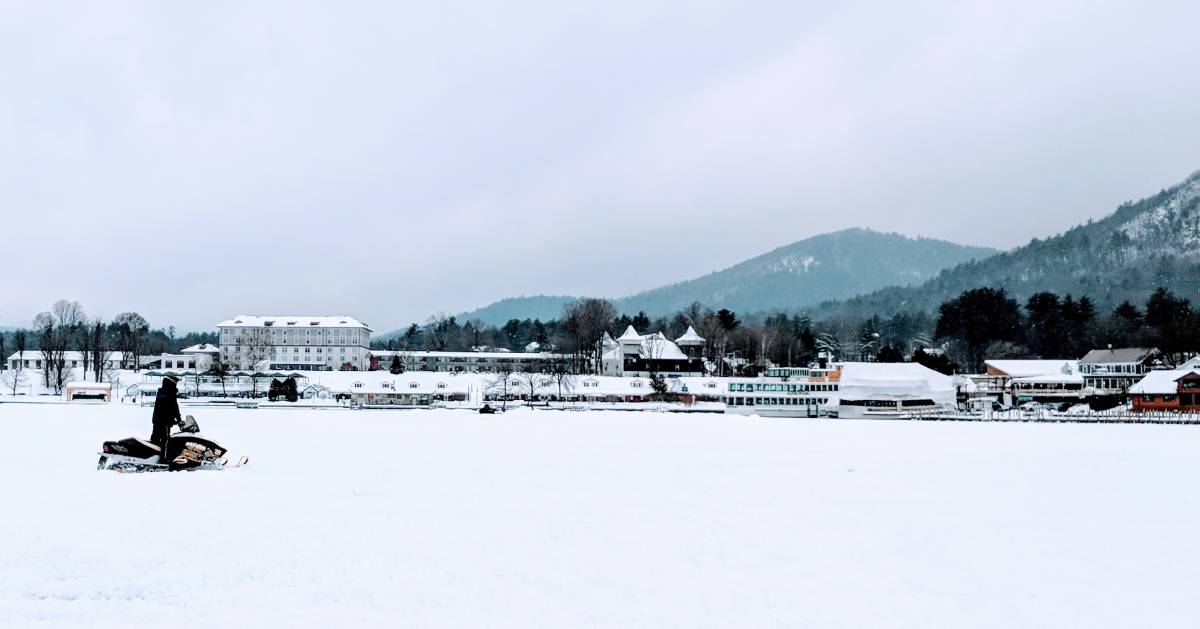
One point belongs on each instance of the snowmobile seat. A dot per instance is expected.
(132, 446)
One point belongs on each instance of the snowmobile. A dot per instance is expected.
(187, 449)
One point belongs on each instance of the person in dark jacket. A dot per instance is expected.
(166, 413)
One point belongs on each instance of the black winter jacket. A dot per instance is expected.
(166, 406)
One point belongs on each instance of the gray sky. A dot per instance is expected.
(388, 160)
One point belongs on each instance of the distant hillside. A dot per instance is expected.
(544, 307)
(1124, 256)
(805, 273)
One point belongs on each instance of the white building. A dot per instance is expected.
(32, 359)
(1018, 381)
(1112, 371)
(639, 355)
(294, 343)
(465, 362)
(195, 359)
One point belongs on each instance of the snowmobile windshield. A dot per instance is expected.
(188, 424)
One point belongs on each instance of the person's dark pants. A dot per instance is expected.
(159, 438)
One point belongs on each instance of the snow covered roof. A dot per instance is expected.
(1031, 368)
(383, 353)
(690, 338)
(1193, 363)
(1120, 355)
(202, 348)
(660, 347)
(1161, 382)
(892, 381)
(83, 384)
(292, 321)
(1052, 378)
(630, 336)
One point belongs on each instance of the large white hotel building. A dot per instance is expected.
(294, 342)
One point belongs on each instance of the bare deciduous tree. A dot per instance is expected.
(12, 379)
(531, 379)
(501, 383)
(582, 328)
(43, 324)
(256, 349)
(132, 329)
(101, 352)
(220, 370)
(560, 371)
(21, 340)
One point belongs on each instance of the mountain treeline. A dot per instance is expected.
(1124, 257)
(978, 324)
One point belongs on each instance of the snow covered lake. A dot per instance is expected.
(606, 519)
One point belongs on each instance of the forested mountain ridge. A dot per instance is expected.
(802, 274)
(837, 265)
(1123, 257)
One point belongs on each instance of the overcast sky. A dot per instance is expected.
(387, 160)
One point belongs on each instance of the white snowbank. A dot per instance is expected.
(552, 519)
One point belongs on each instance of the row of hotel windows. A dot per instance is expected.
(328, 341)
(778, 387)
(1115, 369)
(775, 401)
(295, 350)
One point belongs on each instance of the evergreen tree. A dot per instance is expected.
(397, 366)
(728, 319)
(937, 362)
(977, 318)
(889, 354)
(1046, 329)
(868, 339)
(412, 336)
(659, 384)
(1078, 317)
(290, 389)
(1172, 321)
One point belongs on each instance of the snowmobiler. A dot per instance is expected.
(185, 450)
(166, 412)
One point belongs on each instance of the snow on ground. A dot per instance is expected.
(604, 519)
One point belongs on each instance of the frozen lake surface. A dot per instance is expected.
(606, 519)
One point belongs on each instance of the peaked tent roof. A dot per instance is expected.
(690, 337)
(630, 335)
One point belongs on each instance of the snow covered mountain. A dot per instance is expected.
(1124, 256)
(829, 266)
(805, 273)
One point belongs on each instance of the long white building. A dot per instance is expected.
(295, 343)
